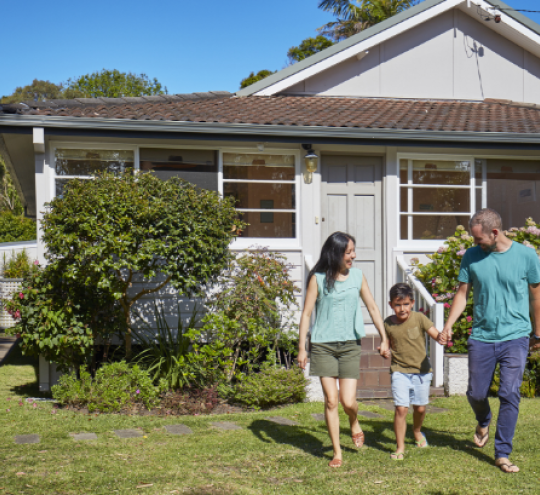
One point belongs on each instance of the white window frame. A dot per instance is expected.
(429, 244)
(270, 242)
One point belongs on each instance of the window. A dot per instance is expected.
(510, 187)
(264, 187)
(82, 163)
(435, 197)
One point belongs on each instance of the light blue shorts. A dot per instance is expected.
(411, 388)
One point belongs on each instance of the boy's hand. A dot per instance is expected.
(383, 349)
(442, 339)
(302, 358)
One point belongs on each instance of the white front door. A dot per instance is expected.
(351, 202)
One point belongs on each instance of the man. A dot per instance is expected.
(502, 274)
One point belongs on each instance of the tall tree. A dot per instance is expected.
(113, 84)
(39, 90)
(308, 47)
(253, 78)
(354, 16)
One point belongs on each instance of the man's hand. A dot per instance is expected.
(442, 339)
(302, 358)
(534, 344)
(447, 334)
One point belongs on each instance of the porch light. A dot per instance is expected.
(312, 160)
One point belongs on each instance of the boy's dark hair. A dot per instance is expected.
(401, 291)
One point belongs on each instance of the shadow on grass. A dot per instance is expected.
(16, 358)
(300, 437)
(297, 436)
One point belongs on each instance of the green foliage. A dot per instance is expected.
(112, 84)
(16, 228)
(59, 318)
(107, 232)
(271, 386)
(19, 265)
(253, 78)
(251, 314)
(354, 16)
(167, 355)
(530, 386)
(9, 197)
(39, 89)
(308, 47)
(115, 386)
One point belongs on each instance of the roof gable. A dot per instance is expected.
(528, 36)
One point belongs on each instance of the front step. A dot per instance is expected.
(374, 382)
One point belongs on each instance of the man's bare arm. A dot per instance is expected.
(534, 301)
(458, 306)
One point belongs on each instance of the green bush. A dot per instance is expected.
(16, 228)
(271, 386)
(115, 386)
(19, 265)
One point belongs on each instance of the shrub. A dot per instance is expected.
(61, 319)
(115, 387)
(19, 265)
(251, 314)
(271, 386)
(16, 228)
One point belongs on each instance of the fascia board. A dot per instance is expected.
(269, 81)
(514, 15)
(240, 130)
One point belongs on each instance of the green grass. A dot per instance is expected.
(263, 458)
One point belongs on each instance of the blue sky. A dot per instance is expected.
(188, 45)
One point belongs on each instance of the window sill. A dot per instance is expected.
(270, 243)
(427, 246)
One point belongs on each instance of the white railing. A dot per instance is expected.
(424, 300)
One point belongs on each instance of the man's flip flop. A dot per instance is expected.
(422, 444)
(480, 441)
(396, 456)
(507, 466)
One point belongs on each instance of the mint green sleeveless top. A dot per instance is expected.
(339, 314)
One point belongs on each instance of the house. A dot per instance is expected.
(417, 122)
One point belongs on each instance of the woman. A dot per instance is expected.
(335, 288)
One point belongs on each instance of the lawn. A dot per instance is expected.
(262, 458)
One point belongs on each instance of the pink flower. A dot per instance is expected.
(34, 405)
(36, 262)
(17, 314)
(469, 318)
(434, 295)
(469, 331)
(421, 310)
(138, 391)
(462, 252)
(9, 398)
(21, 295)
(20, 403)
(446, 305)
(440, 250)
(53, 411)
(450, 343)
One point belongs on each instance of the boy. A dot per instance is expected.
(410, 368)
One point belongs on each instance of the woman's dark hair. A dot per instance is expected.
(331, 257)
(401, 291)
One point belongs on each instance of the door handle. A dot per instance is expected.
(323, 219)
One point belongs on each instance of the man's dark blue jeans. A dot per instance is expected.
(483, 358)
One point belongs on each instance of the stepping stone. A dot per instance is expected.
(83, 436)
(281, 421)
(369, 414)
(178, 429)
(128, 433)
(435, 410)
(20, 439)
(318, 416)
(226, 425)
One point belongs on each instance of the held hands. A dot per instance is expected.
(534, 345)
(442, 339)
(384, 349)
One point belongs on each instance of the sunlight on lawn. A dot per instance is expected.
(262, 458)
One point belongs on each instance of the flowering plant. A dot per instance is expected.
(440, 276)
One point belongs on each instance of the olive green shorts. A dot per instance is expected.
(336, 359)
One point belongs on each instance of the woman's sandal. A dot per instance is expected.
(396, 456)
(335, 463)
(422, 444)
(358, 439)
(480, 441)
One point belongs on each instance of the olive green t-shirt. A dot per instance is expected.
(408, 343)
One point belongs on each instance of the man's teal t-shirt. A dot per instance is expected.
(500, 284)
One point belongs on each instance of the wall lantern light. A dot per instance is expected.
(312, 161)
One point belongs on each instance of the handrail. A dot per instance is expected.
(419, 286)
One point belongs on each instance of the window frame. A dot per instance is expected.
(270, 242)
(409, 186)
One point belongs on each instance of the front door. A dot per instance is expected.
(351, 202)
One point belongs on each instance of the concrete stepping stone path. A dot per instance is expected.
(281, 421)
(128, 433)
(318, 416)
(369, 414)
(226, 425)
(83, 436)
(20, 439)
(179, 429)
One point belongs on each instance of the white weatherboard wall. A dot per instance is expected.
(452, 56)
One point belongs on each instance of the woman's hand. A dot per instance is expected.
(302, 358)
(384, 350)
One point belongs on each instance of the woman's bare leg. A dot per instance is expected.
(331, 401)
(347, 397)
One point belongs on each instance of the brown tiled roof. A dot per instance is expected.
(365, 113)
